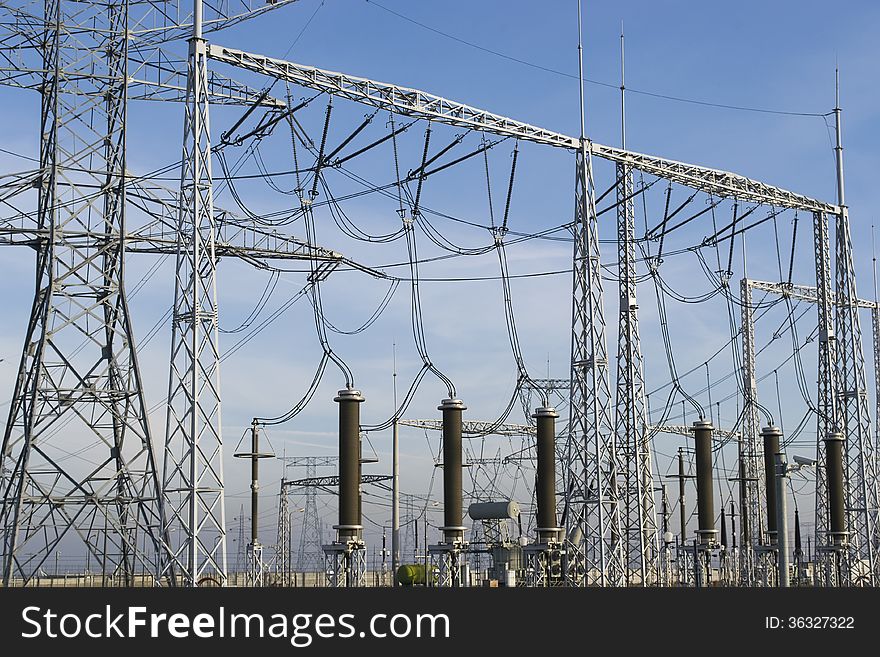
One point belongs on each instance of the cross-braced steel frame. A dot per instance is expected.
(850, 562)
(79, 382)
(749, 450)
(642, 549)
(79, 386)
(193, 477)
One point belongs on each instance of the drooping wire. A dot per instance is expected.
(383, 304)
(317, 303)
(258, 308)
(667, 343)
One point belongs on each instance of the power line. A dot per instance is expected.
(547, 69)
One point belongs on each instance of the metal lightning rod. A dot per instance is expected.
(395, 479)
(581, 74)
(622, 91)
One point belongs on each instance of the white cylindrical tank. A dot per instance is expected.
(494, 510)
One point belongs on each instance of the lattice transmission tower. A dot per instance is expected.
(309, 555)
(642, 550)
(79, 386)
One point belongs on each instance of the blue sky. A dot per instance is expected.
(776, 56)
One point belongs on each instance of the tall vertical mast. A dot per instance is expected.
(395, 482)
(642, 553)
(860, 465)
(591, 470)
(195, 516)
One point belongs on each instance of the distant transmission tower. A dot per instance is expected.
(79, 385)
(284, 539)
(310, 556)
(642, 550)
(241, 543)
(408, 522)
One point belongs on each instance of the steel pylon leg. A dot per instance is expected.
(595, 547)
(79, 387)
(193, 476)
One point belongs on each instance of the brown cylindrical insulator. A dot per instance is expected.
(349, 464)
(705, 485)
(453, 530)
(834, 476)
(545, 484)
(771, 436)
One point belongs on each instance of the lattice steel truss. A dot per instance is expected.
(859, 475)
(79, 291)
(749, 449)
(474, 428)
(842, 305)
(446, 563)
(592, 462)
(79, 364)
(420, 104)
(826, 403)
(639, 520)
(79, 386)
(345, 564)
(860, 466)
(592, 477)
(193, 476)
(283, 540)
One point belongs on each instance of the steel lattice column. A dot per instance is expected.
(79, 387)
(193, 476)
(591, 468)
(751, 483)
(826, 403)
(642, 555)
(309, 556)
(284, 539)
(875, 339)
(860, 465)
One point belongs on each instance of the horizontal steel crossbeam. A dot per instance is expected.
(799, 292)
(422, 105)
(687, 430)
(330, 481)
(474, 428)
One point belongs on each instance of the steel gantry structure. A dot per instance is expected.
(309, 557)
(639, 522)
(859, 556)
(79, 364)
(185, 525)
(592, 439)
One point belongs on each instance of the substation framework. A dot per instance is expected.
(79, 360)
